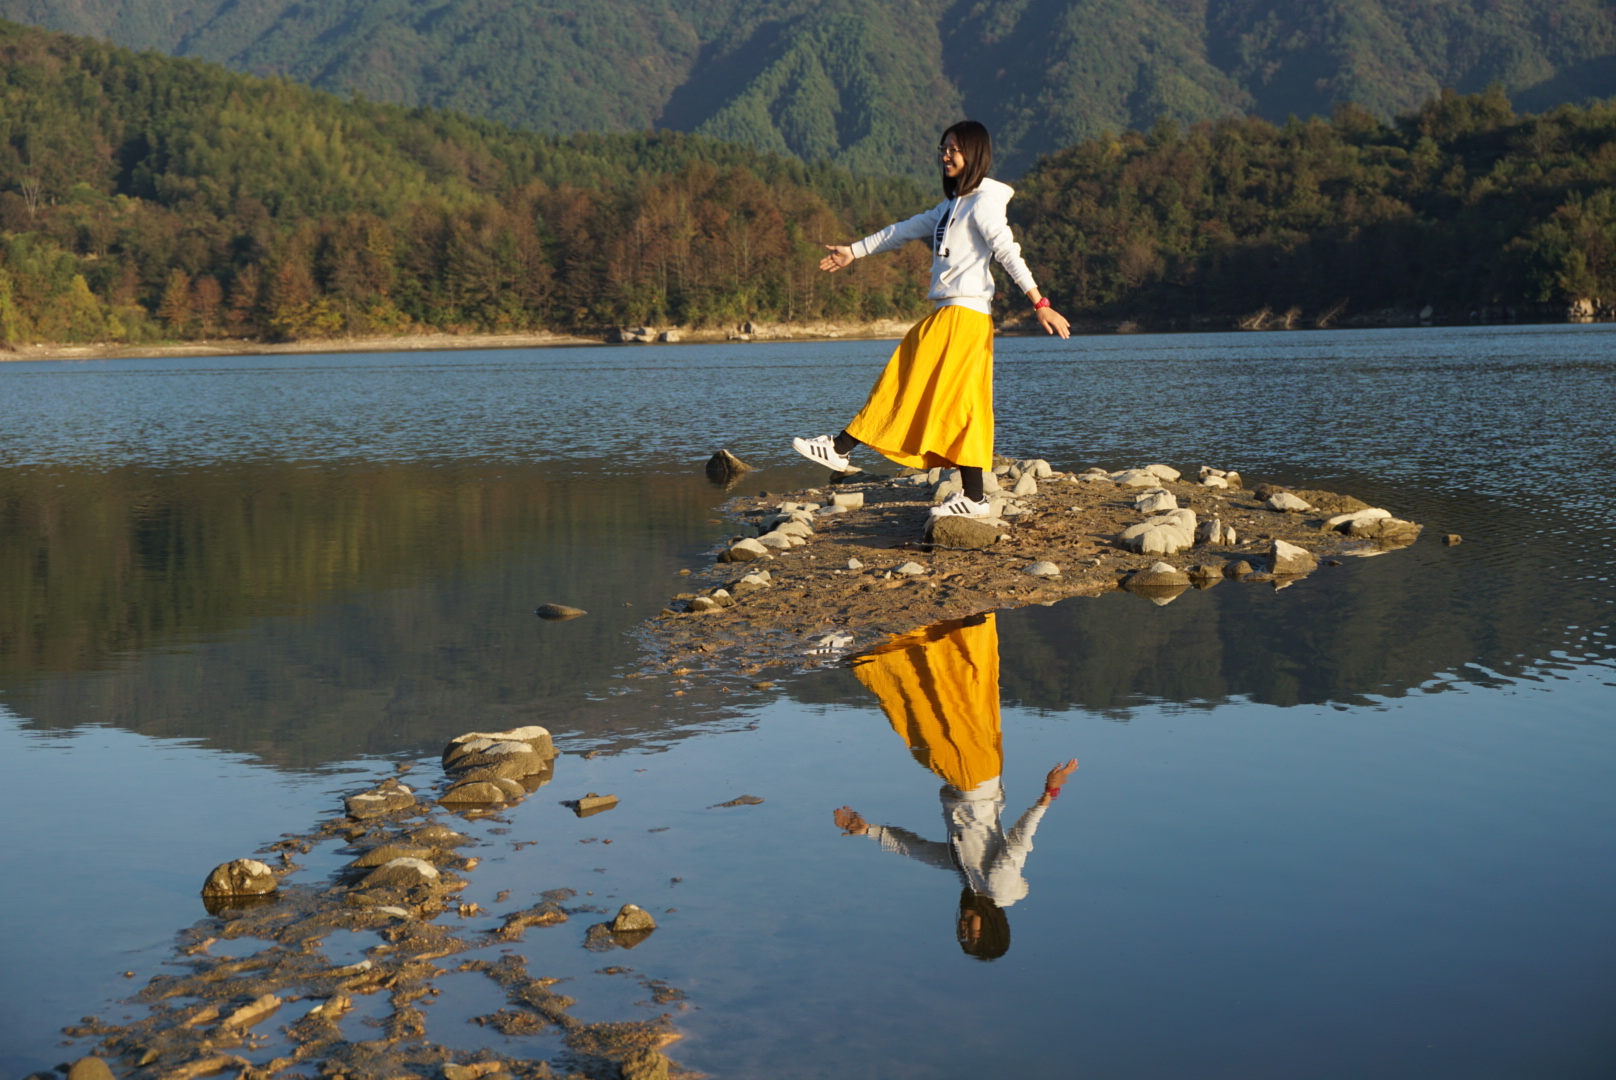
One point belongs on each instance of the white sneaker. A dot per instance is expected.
(957, 505)
(821, 450)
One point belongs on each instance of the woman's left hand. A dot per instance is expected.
(1053, 322)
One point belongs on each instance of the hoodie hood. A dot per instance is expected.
(995, 190)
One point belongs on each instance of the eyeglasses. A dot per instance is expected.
(946, 152)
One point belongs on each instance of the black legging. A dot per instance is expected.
(970, 478)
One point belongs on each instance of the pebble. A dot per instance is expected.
(1453, 539)
(909, 569)
(1044, 568)
(854, 564)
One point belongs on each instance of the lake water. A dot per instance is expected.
(1365, 825)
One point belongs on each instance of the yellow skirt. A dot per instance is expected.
(933, 405)
(940, 689)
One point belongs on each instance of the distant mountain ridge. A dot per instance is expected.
(869, 84)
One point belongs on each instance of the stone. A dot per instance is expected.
(1387, 530)
(1164, 535)
(832, 511)
(850, 500)
(945, 489)
(1001, 470)
(751, 583)
(1025, 486)
(1136, 478)
(1039, 468)
(1453, 540)
(1232, 478)
(1207, 470)
(645, 1065)
(722, 598)
(90, 1068)
(934, 476)
(776, 541)
(1044, 568)
(962, 532)
(1204, 577)
(386, 853)
(1156, 501)
(745, 551)
(537, 739)
(593, 804)
(1238, 569)
(509, 759)
(1284, 500)
(1344, 522)
(854, 564)
(909, 569)
(724, 466)
(796, 528)
(388, 797)
(704, 604)
(1214, 482)
(990, 483)
(1328, 502)
(240, 877)
(1159, 575)
(1212, 531)
(632, 917)
(558, 612)
(474, 1071)
(1290, 560)
(252, 1013)
(481, 793)
(439, 836)
(405, 873)
(1163, 472)
(670, 337)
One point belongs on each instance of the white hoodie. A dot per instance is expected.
(964, 233)
(988, 859)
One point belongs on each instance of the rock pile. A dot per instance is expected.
(493, 768)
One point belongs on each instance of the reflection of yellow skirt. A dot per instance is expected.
(940, 688)
(933, 405)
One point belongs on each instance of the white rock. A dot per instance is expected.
(1038, 467)
(795, 528)
(746, 550)
(1207, 470)
(1165, 535)
(1043, 568)
(759, 579)
(1136, 478)
(1214, 482)
(1163, 472)
(797, 541)
(909, 569)
(1155, 502)
(775, 540)
(854, 564)
(1001, 470)
(934, 476)
(833, 510)
(1344, 522)
(990, 482)
(1284, 500)
(848, 499)
(1025, 486)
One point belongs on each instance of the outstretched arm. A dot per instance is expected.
(1051, 320)
(904, 842)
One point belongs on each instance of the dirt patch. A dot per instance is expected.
(868, 573)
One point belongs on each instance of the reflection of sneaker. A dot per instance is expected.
(832, 644)
(957, 505)
(821, 450)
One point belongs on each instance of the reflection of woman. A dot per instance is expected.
(933, 405)
(940, 689)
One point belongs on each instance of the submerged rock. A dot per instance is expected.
(388, 797)
(482, 793)
(240, 877)
(386, 853)
(89, 1068)
(403, 873)
(724, 466)
(558, 612)
(631, 917)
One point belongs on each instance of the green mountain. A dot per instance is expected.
(869, 84)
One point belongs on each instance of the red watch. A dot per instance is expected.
(1043, 302)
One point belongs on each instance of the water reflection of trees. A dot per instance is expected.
(312, 614)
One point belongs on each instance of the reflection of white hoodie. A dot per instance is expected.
(989, 860)
(964, 234)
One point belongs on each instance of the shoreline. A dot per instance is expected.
(863, 330)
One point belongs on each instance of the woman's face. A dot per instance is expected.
(953, 160)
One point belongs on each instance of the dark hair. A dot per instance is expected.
(994, 940)
(977, 146)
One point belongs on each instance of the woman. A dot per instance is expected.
(933, 405)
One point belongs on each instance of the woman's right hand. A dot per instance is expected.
(840, 258)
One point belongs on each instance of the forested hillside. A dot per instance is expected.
(144, 197)
(869, 83)
(1461, 205)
